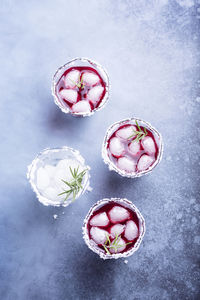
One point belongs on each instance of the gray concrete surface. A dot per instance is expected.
(151, 52)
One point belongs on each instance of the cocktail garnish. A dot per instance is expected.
(75, 184)
(139, 134)
(79, 83)
(113, 245)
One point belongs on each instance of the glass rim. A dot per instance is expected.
(60, 71)
(100, 252)
(32, 168)
(113, 167)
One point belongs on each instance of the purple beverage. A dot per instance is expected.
(114, 228)
(132, 147)
(80, 87)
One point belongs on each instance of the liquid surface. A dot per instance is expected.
(81, 89)
(108, 227)
(129, 154)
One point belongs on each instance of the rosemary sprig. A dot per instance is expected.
(79, 83)
(140, 134)
(75, 184)
(113, 245)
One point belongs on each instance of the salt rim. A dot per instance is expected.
(94, 247)
(32, 168)
(112, 166)
(71, 63)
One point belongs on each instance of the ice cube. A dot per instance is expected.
(42, 178)
(134, 148)
(90, 78)
(81, 107)
(144, 162)
(52, 194)
(116, 230)
(50, 170)
(100, 219)
(95, 93)
(131, 230)
(116, 147)
(66, 163)
(126, 164)
(148, 145)
(120, 242)
(62, 164)
(72, 78)
(118, 214)
(126, 132)
(62, 174)
(74, 164)
(98, 235)
(69, 95)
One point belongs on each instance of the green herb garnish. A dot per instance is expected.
(139, 134)
(114, 245)
(79, 83)
(74, 186)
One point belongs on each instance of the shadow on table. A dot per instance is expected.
(118, 186)
(93, 275)
(34, 214)
(58, 120)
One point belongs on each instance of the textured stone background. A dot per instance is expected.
(151, 52)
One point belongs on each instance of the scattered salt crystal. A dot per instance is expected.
(42, 178)
(116, 147)
(144, 162)
(90, 78)
(69, 95)
(131, 230)
(72, 78)
(126, 261)
(118, 214)
(81, 107)
(134, 148)
(55, 217)
(94, 94)
(98, 235)
(121, 243)
(100, 219)
(126, 164)
(126, 132)
(89, 189)
(148, 145)
(117, 229)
